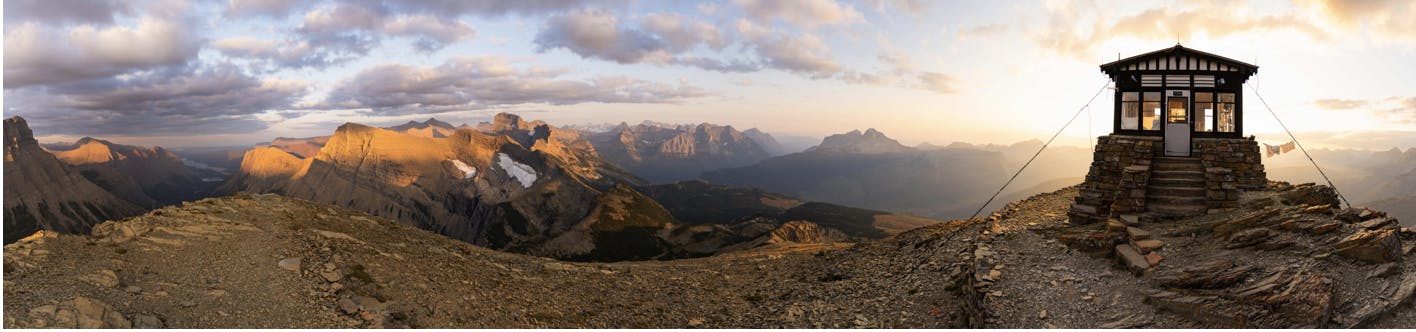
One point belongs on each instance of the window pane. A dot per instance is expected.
(1204, 97)
(1150, 113)
(1226, 97)
(1130, 96)
(1177, 111)
(1226, 117)
(1206, 110)
(1153, 96)
(1130, 115)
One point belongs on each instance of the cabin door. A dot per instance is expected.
(1177, 123)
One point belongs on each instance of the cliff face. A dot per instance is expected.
(661, 153)
(43, 193)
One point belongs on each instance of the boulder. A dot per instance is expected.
(1374, 246)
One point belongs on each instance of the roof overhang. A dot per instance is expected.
(1244, 70)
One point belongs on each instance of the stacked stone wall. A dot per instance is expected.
(1112, 155)
(1239, 155)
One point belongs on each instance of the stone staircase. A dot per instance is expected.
(1176, 187)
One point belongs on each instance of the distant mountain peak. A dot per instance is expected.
(870, 141)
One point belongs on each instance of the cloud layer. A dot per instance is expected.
(481, 82)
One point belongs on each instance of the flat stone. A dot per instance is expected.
(1382, 270)
(1324, 228)
(133, 289)
(348, 306)
(331, 276)
(1137, 233)
(141, 321)
(1115, 226)
(1154, 259)
(1131, 259)
(1375, 223)
(1131, 219)
(292, 263)
(1148, 246)
(103, 278)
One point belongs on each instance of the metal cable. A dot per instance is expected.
(1300, 145)
(1039, 151)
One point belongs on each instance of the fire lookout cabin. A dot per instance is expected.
(1177, 146)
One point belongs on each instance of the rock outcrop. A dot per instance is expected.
(42, 193)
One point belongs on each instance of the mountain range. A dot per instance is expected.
(665, 153)
(510, 184)
(869, 169)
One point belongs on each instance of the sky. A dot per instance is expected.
(221, 73)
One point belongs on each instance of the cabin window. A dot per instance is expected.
(1204, 109)
(1226, 113)
(1150, 111)
(1130, 110)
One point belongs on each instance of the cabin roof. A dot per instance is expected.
(1244, 68)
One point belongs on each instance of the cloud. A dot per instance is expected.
(269, 8)
(479, 82)
(913, 7)
(1383, 18)
(656, 38)
(803, 54)
(220, 99)
(58, 12)
(1398, 108)
(37, 54)
(431, 33)
(1340, 104)
(1071, 33)
(599, 34)
(982, 31)
(807, 14)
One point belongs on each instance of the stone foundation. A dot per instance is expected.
(1116, 182)
(1099, 192)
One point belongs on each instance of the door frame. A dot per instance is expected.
(1189, 122)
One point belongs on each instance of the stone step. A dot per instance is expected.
(1178, 166)
(1176, 159)
(1188, 174)
(1175, 200)
(1131, 259)
(1177, 182)
(1189, 190)
(1177, 210)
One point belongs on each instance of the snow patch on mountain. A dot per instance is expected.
(521, 172)
(467, 170)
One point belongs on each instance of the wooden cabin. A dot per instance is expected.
(1179, 93)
